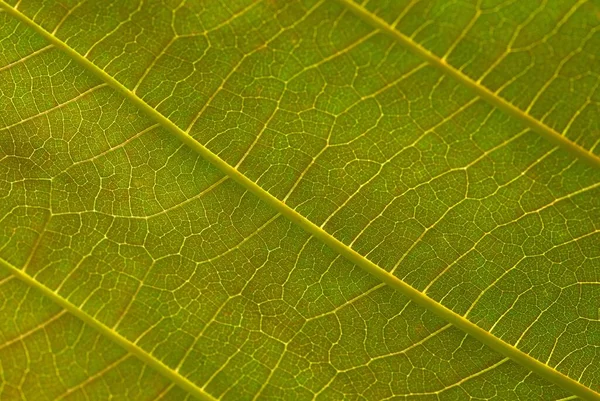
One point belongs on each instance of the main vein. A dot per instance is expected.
(478, 88)
(418, 297)
(134, 349)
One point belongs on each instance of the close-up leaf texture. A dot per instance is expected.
(299, 200)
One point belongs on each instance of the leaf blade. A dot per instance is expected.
(273, 199)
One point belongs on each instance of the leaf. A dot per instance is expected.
(299, 200)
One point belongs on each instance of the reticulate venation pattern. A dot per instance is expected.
(106, 209)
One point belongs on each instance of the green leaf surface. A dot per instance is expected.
(542, 57)
(299, 200)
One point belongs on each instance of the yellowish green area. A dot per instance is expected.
(298, 200)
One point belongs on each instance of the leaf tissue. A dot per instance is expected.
(299, 200)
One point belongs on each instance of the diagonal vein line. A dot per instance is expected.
(93, 377)
(132, 348)
(483, 92)
(57, 107)
(418, 297)
(41, 326)
(23, 59)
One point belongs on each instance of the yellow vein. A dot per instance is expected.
(418, 297)
(41, 326)
(132, 348)
(93, 378)
(57, 107)
(465, 379)
(479, 89)
(23, 59)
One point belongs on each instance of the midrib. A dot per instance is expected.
(483, 92)
(450, 316)
(115, 337)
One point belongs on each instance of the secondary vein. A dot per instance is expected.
(416, 296)
(132, 348)
(483, 92)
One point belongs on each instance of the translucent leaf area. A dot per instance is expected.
(299, 200)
